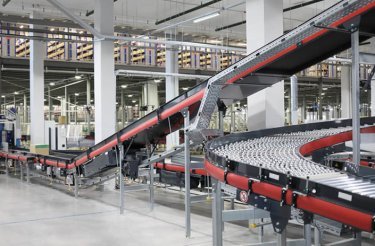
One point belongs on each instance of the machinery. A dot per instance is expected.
(10, 130)
(267, 163)
(272, 163)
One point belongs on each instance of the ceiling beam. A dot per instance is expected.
(203, 5)
(101, 36)
(300, 5)
(230, 26)
(5, 2)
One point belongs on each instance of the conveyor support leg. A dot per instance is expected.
(121, 177)
(76, 181)
(307, 234)
(21, 170)
(217, 232)
(317, 237)
(186, 115)
(6, 166)
(281, 238)
(355, 96)
(27, 172)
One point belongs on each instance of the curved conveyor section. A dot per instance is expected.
(268, 161)
(300, 48)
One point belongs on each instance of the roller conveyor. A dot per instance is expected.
(269, 161)
(304, 46)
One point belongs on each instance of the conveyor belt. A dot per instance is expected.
(292, 52)
(268, 161)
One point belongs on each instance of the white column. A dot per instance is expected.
(37, 54)
(294, 99)
(373, 97)
(345, 92)
(104, 76)
(171, 87)
(264, 22)
(150, 96)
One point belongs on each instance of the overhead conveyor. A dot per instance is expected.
(313, 41)
(305, 45)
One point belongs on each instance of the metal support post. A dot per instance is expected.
(261, 231)
(320, 100)
(88, 104)
(27, 172)
(307, 234)
(76, 181)
(355, 97)
(294, 100)
(49, 104)
(6, 166)
(151, 187)
(121, 178)
(21, 170)
(232, 203)
(281, 238)
(222, 110)
(358, 238)
(25, 115)
(217, 232)
(317, 237)
(186, 115)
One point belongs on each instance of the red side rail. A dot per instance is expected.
(311, 204)
(321, 143)
(198, 96)
(178, 168)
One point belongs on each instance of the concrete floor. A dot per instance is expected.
(40, 215)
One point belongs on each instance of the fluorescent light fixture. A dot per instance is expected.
(52, 84)
(323, 94)
(185, 88)
(16, 93)
(325, 88)
(58, 97)
(157, 80)
(134, 101)
(21, 26)
(76, 94)
(207, 17)
(3, 96)
(91, 100)
(77, 77)
(116, 103)
(136, 105)
(52, 29)
(124, 86)
(130, 95)
(80, 32)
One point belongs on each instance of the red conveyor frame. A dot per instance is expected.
(188, 101)
(352, 217)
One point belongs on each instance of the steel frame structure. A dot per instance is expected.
(306, 45)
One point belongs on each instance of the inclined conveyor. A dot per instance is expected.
(311, 42)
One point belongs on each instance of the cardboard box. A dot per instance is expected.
(41, 149)
(62, 120)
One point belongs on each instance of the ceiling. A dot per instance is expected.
(142, 14)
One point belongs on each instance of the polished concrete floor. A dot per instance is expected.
(39, 215)
(34, 214)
